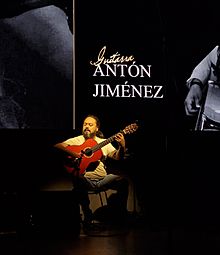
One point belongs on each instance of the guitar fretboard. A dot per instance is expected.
(98, 146)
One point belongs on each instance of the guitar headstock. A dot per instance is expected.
(130, 128)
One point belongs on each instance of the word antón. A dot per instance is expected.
(125, 90)
(123, 70)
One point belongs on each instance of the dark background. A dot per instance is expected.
(172, 37)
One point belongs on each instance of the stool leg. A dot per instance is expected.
(100, 196)
(106, 196)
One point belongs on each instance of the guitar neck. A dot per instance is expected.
(98, 146)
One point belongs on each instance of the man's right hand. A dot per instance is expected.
(193, 100)
(75, 155)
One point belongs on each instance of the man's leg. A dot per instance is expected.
(81, 186)
(121, 185)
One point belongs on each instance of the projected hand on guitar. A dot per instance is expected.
(90, 151)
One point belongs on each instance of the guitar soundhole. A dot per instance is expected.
(88, 152)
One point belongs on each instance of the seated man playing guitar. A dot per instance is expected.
(86, 153)
(203, 79)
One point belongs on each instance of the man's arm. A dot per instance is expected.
(120, 152)
(203, 71)
(64, 147)
(197, 82)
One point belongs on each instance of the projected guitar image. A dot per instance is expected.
(91, 152)
(209, 113)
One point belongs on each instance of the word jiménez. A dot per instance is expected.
(117, 65)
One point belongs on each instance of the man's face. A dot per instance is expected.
(89, 127)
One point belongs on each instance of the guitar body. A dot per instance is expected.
(91, 153)
(209, 115)
(89, 159)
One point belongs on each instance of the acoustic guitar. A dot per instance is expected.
(91, 152)
(209, 113)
